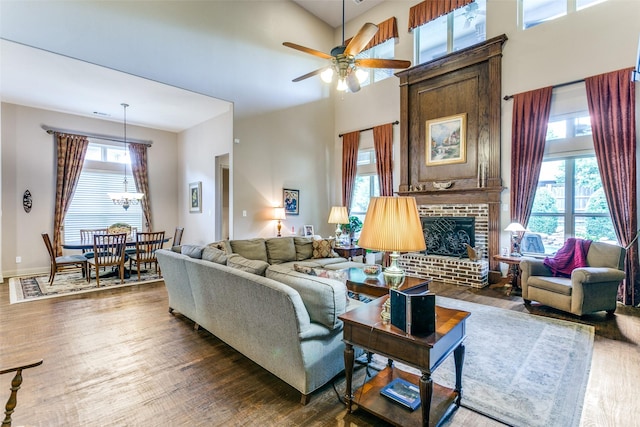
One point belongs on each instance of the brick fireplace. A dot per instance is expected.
(450, 269)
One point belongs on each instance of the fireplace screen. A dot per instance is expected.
(448, 235)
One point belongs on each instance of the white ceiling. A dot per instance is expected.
(41, 79)
(330, 11)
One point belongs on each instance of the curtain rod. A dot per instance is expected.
(508, 97)
(51, 131)
(364, 130)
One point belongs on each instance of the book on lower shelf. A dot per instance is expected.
(402, 392)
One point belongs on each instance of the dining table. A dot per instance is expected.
(87, 245)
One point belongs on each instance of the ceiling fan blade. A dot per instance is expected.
(382, 63)
(311, 74)
(360, 40)
(352, 83)
(307, 50)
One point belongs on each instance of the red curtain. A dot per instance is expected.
(529, 129)
(383, 144)
(71, 150)
(138, 154)
(350, 142)
(611, 99)
(429, 10)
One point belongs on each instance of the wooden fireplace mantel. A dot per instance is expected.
(466, 83)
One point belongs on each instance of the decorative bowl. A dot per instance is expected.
(372, 269)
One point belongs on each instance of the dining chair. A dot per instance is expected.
(64, 262)
(109, 251)
(147, 244)
(86, 235)
(16, 382)
(177, 236)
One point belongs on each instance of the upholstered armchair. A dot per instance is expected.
(589, 289)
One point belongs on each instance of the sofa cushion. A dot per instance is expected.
(281, 249)
(192, 251)
(325, 299)
(222, 245)
(254, 266)
(250, 248)
(304, 247)
(214, 255)
(323, 248)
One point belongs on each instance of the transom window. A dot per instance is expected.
(457, 30)
(102, 172)
(535, 12)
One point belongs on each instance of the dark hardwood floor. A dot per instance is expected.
(118, 358)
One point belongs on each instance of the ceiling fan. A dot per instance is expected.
(343, 59)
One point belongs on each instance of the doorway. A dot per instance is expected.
(223, 185)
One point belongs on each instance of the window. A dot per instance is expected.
(384, 50)
(102, 172)
(457, 30)
(570, 200)
(534, 12)
(366, 185)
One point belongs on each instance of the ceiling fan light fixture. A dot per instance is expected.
(352, 82)
(362, 75)
(327, 75)
(342, 85)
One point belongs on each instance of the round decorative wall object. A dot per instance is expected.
(26, 201)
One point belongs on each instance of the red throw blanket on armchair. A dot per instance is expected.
(569, 257)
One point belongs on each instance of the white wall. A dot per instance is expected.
(596, 40)
(284, 149)
(29, 162)
(198, 148)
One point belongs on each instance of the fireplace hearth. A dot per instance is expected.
(448, 236)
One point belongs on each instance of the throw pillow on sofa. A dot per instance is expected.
(323, 248)
(216, 255)
(192, 251)
(254, 266)
(281, 249)
(321, 272)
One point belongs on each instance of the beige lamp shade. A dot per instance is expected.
(278, 213)
(515, 227)
(338, 215)
(392, 224)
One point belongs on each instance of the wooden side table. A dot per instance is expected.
(363, 328)
(514, 271)
(349, 251)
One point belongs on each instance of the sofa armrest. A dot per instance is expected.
(596, 275)
(534, 267)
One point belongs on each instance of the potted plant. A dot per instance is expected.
(354, 226)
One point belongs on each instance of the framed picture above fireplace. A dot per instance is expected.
(446, 140)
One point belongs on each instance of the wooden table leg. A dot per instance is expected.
(348, 370)
(458, 357)
(426, 392)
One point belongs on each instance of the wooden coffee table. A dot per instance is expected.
(363, 328)
(360, 283)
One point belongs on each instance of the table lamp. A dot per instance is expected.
(338, 216)
(392, 224)
(279, 214)
(516, 229)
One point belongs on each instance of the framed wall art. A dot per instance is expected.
(195, 196)
(291, 201)
(446, 140)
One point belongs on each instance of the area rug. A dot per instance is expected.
(520, 369)
(32, 288)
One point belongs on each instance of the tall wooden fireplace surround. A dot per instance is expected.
(466, 82)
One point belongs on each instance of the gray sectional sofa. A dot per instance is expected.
(248, 294)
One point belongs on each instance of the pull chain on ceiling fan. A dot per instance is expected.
(343, 59)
